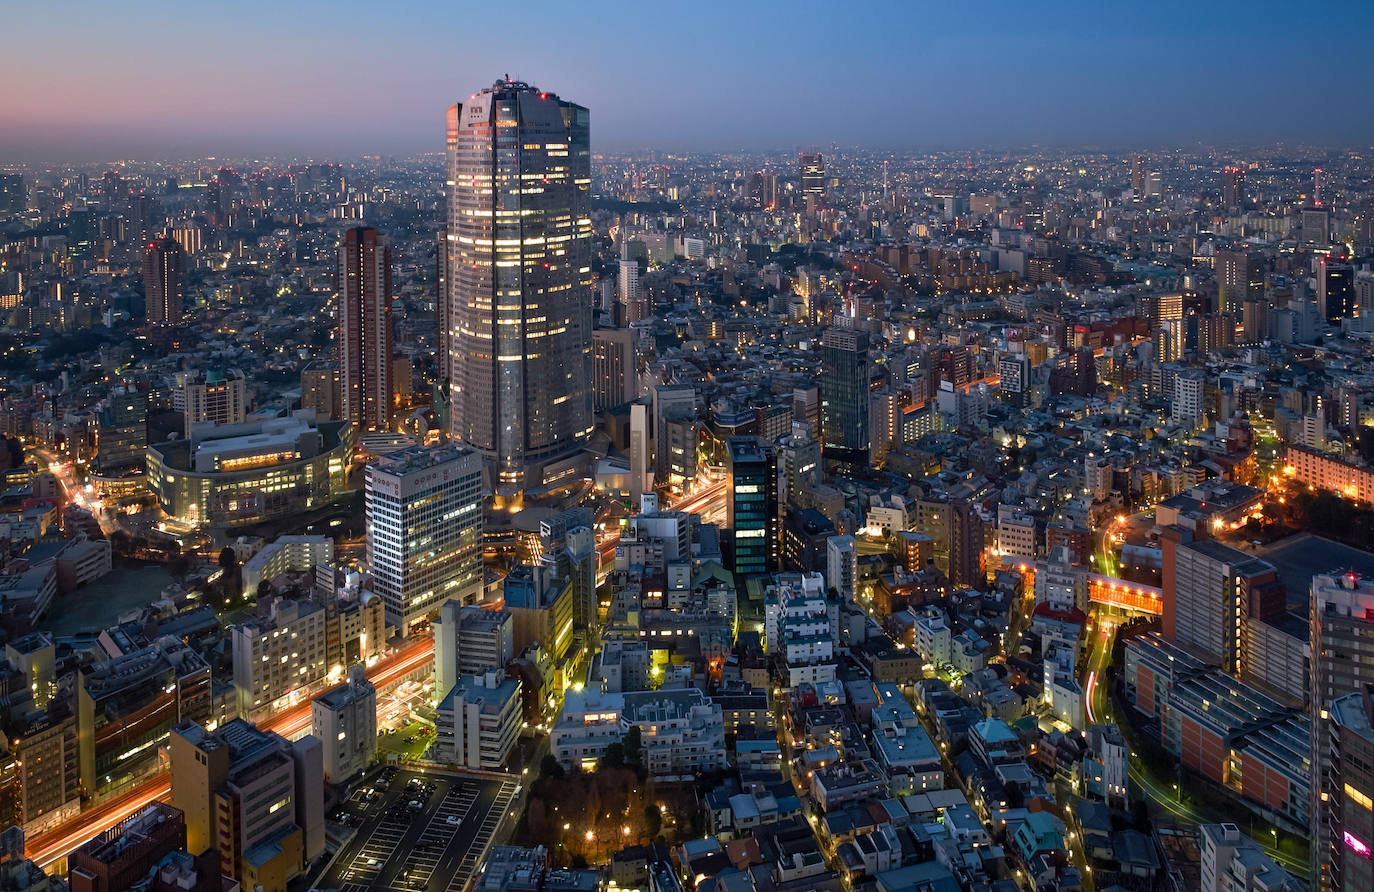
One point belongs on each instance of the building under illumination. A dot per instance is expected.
(232, 474)
(424, 530)
(364, 336)
(520, 282)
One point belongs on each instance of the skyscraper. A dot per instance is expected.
(1335, 290)
(1240, 277)
(424, 530)
(520, 280)
(750, 505)
(811, 172)
(1232, 186)
(844, 396)
(364, 336)
(164, 265)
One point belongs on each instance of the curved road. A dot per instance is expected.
(57, 844)
(1160, 797)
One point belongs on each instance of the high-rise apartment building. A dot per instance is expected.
(750, 505)
(121, 433)
(164, 267)
(842, 566)
(478, 720)
(252, 795)
(615, 378)
(1232, 186)
(424, 530)
(1240, 277)
(214, 395)
(364, 334)
(520, 283)
(844, 396)
(1335, 290)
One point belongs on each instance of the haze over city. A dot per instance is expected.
(160, 80)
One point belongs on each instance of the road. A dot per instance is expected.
(65, 472)
(1159, 797)
(57, 844)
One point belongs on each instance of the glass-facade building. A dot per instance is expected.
(424, 530)
(519, 280)
(845, 434)
(750, 505)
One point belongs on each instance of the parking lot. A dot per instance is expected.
(423, 833)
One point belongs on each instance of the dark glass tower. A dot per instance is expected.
(751, 505)
(844, 396)
(164, 265)
(520, 280)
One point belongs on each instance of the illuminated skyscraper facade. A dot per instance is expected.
(164, 266)
(365, 339)
(520, 281)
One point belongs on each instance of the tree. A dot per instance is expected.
(653, 818)
(264, 589)
(551, 767)
(614, 756)
(633, 744)
(227, 559)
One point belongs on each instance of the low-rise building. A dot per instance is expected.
(479, 720)
(681, 731)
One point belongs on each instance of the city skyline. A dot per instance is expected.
(1072, 74)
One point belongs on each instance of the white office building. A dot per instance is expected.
(424, 530)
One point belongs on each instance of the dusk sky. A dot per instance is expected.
(99, 81)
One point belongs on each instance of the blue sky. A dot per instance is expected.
(88, 80)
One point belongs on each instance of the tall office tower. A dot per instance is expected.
(520, 284)
(364, 334)
(633, 305)
(1232, 186)
(13, 198)
(615, 378)
(253, 795)
(1342, 631)
(1315, 229)
(1346, 820)
(320, 389)
(844, 396)
(214, 395)
(1240, 277)
(424, 530)
(470, 640)
(1212, 592)
(842, 566)
(750, 505)
(1138, 176)
(164, 266)
(811, 172)
(1335, 290)
(443, 359)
